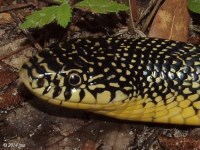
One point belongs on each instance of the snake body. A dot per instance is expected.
(144, 79)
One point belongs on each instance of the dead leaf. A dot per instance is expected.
(7, 74)
(194, 40)
(89, 145)
(10, 97)
(179, 143)
(171, 21)
(5, 18)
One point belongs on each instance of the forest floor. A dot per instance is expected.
(28, 123)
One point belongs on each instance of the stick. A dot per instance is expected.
(14, 7)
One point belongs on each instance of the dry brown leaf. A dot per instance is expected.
(89, 145)
(9, 96)
(179, 143)
(7, 74)
(5, 18)
(171, 21)
(194, 40)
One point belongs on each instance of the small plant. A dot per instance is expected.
(194, 6)
(62, 13)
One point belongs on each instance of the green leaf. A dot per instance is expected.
(63, 15)
(40, 18)
(194, 6)
(101, 6)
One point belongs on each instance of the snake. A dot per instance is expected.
(136, 79)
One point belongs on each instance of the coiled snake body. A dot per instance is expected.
(145, 79)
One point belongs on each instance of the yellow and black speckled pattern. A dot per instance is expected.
(143, 79)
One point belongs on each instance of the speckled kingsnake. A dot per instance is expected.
(142, 79)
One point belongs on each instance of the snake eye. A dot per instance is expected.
(74, 79)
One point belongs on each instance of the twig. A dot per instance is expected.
(15, 52)
(32, 40)
(146, 11)
(26, 32)
(14, 7)
(133, 10)
(131, 22)
(121, 31)
(149, 18)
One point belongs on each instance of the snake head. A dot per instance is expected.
(77, 74)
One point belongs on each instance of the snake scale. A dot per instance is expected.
(144, 79)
